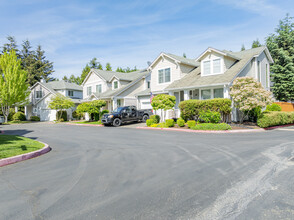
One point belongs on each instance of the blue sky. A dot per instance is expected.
(130, 33)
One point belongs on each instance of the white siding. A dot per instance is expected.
(92, 81)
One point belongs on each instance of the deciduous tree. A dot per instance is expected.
(13, 82)
(163, 102)
(60, 103)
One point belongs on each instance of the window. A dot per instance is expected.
(258, 71)
(99, 88)
(70, 93)
(148, 84)
(89, 90)
(216, 66)
(38, 94)
(115, 84)
(206, 68)
(206, 94)
(164, 75)
(118, 103)
(218, 93)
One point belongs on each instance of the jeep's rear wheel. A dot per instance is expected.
(145, 117)
(116, 122)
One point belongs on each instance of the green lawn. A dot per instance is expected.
(88, 122)
(12, 145)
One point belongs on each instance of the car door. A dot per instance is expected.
(133, 115)
(126, 113)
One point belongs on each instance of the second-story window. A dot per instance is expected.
(211, 67)
(216, 66)
(164, 75)
(38, 94)
(99, 88)
(148, 84)
(115, 84)
(70, 93)
(89, 90)
(206, 68)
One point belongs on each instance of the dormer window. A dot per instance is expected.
(115, 84)
(38, 94)
(211, 67)
(98, 88)
(164, 75)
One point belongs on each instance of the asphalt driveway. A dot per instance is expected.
(120, 173)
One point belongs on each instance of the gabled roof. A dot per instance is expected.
(111, 93)
(194, 78)
(176, 58)
(57, 85)
(222, 52)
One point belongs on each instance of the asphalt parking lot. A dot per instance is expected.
(117, 173)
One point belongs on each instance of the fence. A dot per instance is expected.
(286, 106)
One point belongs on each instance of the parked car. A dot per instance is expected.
(125, 114)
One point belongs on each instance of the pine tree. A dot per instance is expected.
(108, 67)
(65, 78)
(255, 44)
(281, 47)
(243, 47)
(12, 45)
(184, 55)
(27, 56)
(85, 72)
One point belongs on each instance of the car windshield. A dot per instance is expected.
(117, 110)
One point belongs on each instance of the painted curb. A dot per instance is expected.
(85, 125)
(279, 126)
(204, 131)
(30, 155)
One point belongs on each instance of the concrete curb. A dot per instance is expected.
(279, 126)
(85, 125)
(30, 155)
(205, 131)
(1, 132)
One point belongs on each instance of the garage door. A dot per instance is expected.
(145, 105)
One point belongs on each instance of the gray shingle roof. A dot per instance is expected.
(107, 75)
(194, 78)
(110, 93)
(184, 60)
(56, 85)
(144, 92)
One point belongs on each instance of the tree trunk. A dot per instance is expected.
(5, 111)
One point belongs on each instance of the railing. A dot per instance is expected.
(286, 106)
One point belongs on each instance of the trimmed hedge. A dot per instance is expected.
(181, 122)
(190, 109)
(150, 122)
(34, 118)
(19, 116)
(211, 126)
(191, 123)
(269, 119)
(155, 118)
(170, 123)
(210, 117)
(274, 107)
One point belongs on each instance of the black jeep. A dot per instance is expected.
(125, 114)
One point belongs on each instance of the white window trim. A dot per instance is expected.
(88, 94)
(37, 92)
(211, 66)
(97, 86)
(113, 84)
(211, 92)
(157, 75)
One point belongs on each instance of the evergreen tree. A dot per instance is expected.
(255, 44)
(12, 45)
(119, 69)
(243, 47)
(65, 78)
(28, 61)
(76, 80)
(281, 47)
(43, 68)
(184, 55)
(108, 67)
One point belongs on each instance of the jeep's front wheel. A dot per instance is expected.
(116, 122)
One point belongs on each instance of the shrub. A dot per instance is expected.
(274, 107)
(77, 115)
(190, 109)
(181, 122)
(254, 114)
(103, 112)
(211, 126)
(191, 123)
(268, 119)
(154, 126)
(61, 120)
(150, 122)
(63, 115)
(34, 118)
(210, 117)
(169, 123)
(155, 118)
(11, 113)
(19, 116)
